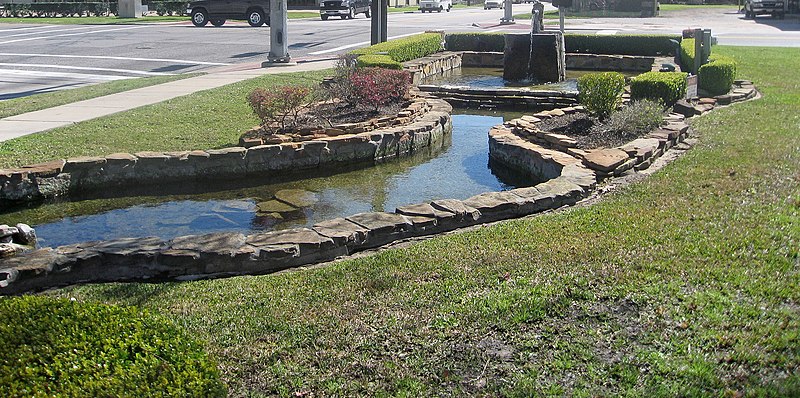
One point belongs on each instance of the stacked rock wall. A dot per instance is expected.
(57, 178)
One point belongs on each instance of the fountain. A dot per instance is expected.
(535, 57)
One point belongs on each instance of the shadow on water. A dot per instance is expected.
(458, 170)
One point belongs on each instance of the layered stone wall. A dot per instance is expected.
(228, 254)
(432, 65)
(431, 121)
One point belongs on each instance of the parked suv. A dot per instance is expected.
(759, 7)
(346, 9)
(255, 12)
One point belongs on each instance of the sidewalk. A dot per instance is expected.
(65, 115)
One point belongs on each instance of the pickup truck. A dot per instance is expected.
(435, 5)
(776, 8)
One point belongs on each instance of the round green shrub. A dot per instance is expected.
(717, 76)
(664, 87)
(57, 347)
(600, 93)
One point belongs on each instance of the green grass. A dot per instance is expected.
(208, 119)
(683, 284)
(112, 20)
(37, 102)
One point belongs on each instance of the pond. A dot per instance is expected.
(458, 170)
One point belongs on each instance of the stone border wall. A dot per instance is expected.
(430, 123)
(228, 254)
(573, 175)
(605, 162)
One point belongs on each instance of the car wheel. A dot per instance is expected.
(366, 13)
(440, 9)
(218, 22)
(324, 17)
(255, 18)
(448, 8)
(199, 18)
(352, 13)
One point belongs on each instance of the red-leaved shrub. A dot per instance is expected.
(378, 86)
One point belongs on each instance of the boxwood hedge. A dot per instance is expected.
(717, 76)
(378, 61)
(482, 42)
(407, 48)
(633, 44)
(57, 347)
(666, 87)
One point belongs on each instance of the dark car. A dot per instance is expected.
(255, 12)
(346, 9)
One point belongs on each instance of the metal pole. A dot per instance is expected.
(278, 39)
(698, 50)
(378, 29)
(561, 18)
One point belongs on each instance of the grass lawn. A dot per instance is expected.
(204, 120)
(684, 284)
(37, 102)
(113, 20)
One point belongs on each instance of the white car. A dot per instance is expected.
(435, 5)
(493, 4)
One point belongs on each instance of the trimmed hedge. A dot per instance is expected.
(687, 54)
(59, 9)
(482, 42)
(377, 61)
(601, 93)
(56, 347)
(717, 76)
(666, 87)
(621, 44)
(407, 48)
(647, 45)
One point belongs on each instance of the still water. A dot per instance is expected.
(458, 170)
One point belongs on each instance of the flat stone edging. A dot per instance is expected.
(572, 177)
(431, 121)
(520, 144)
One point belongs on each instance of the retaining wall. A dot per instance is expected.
(392, 140)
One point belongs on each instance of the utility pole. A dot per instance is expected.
(278, 39)
(379, 10)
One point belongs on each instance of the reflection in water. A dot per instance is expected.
(458, 170)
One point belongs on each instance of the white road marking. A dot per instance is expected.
(133, 72)
(607, 32)
(45, 75)
(51, 31)
(31, 28)
(72, 34)
(363, 43)
(178, 61)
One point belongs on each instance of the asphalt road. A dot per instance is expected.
(40, 58)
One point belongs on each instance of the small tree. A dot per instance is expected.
(601, 93)
(280, 106)
(377, 86)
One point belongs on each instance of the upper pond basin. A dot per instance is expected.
(458, 170)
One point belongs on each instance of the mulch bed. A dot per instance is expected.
(587, 130)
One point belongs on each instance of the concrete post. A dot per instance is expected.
(129, 8)
(508, 14)
(278, 39)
